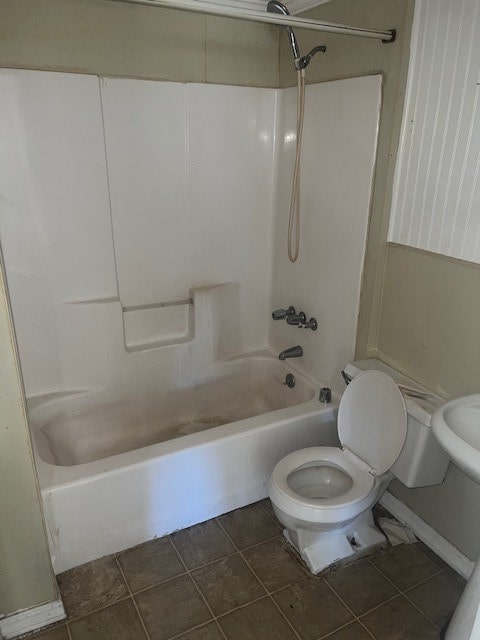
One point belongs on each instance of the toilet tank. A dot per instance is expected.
(422, 461)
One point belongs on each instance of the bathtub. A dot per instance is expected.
(114, 474)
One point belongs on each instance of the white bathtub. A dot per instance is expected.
(115, 474)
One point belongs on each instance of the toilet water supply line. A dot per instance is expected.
(294, 217)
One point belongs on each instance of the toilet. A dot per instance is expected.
(324, 495)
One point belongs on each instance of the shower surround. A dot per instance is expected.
(143, 234)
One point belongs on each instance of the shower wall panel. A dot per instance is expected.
(146, 144)
(338, 162)
(117, 194)
(190, 170)
(54, 214)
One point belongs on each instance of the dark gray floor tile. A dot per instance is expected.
(118, 622)
(209, 631)
(172, 608)
(353, 631)
(57, 633)
(431, 555)
(361, 586)
(441, 564)
(248, 526)
(202, 543)
(227, 584)
(399, 620)
(150, 563)
(267, 505)
(91, 586)
(437, 597)
(312, 608)
(275, 564)
(404, 565)
(260, 620)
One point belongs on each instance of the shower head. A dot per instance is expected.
(274, 6)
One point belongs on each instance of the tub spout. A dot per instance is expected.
(293, 352)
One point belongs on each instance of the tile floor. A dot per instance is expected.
(235, 578)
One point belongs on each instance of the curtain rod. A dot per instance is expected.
(225, 11)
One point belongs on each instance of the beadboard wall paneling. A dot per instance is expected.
(436, 204)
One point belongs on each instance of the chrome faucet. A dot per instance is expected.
(297, 319)
(293, 352)
(281, 314)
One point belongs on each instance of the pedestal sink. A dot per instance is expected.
(456, 426)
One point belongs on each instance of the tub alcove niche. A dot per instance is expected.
(143, 229)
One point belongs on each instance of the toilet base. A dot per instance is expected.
(321, 549)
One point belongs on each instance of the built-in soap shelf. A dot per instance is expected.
(159, 324)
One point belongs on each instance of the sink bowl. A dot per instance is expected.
(456, 426)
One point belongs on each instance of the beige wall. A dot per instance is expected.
(429, 329)
(115, 39)
(26, 577)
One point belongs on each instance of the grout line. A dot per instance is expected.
(85, 615)
(198, 626)
(341, 599)
(157, 584)
(404, 592)
(412, 586)
(370, 633)
(356, 618)
(147, 635)
(252, 546)
(260, 581)
(274, 520)
(444, 566)
(422, 612)
(417, 584)
(285, 617)
(242, 606)
(198, 590)
(377, 606)
(331, 633)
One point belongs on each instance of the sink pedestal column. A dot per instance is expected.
(465, 623)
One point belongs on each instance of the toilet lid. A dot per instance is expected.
(372, 420)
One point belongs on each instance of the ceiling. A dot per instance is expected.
(294, 6)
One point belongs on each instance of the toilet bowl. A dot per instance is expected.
(324, 495)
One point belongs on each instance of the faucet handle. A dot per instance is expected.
(281, 314)
(298, 320)
(311, 324)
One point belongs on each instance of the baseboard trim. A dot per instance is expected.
(427, 534)
(31, 619)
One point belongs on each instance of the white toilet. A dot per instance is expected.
(324, 495)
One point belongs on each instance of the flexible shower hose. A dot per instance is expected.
(294, 218)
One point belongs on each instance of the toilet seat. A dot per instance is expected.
(372, 420)
(362, 481)
(372, 425)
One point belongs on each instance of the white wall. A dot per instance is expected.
(437, 190)
(119, 194)
(338, 158)
(186, 213)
